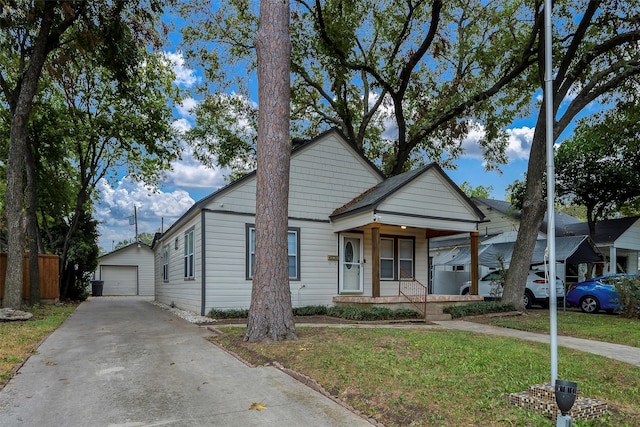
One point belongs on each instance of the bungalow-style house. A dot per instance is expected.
(127, 271)
(617, 239)
(353, 235)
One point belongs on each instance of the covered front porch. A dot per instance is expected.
(384, 237)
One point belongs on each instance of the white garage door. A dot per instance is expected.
(119, 280)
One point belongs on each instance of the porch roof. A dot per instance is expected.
(572, 249)
(365, 208)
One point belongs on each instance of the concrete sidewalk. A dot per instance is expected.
(123, 362)
(619, 352)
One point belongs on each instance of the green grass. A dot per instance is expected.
(18, 339)
(432, 377)
(599, 327)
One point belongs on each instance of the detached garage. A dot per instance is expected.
(127, 271)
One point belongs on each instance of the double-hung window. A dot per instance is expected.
(396, 258)
(387, 258)
(293, 251)
(189, 261)
(165, 263)
(405, 257)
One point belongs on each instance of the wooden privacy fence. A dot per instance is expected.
(49, 266)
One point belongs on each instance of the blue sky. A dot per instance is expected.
(190, 181)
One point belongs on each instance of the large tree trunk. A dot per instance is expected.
(32, 229)
(14, 200)
(270, 315)
(533, 211)
(20, 110)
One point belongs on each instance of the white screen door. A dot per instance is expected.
(351, 263)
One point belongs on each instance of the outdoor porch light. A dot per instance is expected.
(404, 227)
(565, 392)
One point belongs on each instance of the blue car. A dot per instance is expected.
(598, 293)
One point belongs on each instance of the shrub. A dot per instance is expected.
(228, 314)
(477, 308)
(371, 313)
(310, 310)
(628, 290)
(343, 312)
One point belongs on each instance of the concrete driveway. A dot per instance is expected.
(125, 362)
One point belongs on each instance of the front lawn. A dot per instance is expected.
(433, 377)
(18, 339)
(599, 327)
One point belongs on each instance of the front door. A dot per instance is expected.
(351, 263)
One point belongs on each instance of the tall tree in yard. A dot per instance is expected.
(30, 32)
(596, 58)
(270, 314)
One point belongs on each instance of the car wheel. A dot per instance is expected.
(465, 291)
(527, 300)
(589, 304)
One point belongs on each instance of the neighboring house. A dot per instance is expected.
(617, 239)
(127, 271)
(350, 232)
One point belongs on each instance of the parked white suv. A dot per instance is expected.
(536, 292)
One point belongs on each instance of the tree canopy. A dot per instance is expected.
(599, 166)
(479, 191)
(404, 81)
(82, 65)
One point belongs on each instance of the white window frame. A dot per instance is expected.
(412, 259)
(392, 259)
(189, 254)
(397, 260)
(251, 251)
(165, 263)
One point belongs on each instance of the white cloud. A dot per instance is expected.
(117, 203)
(186, 108)
(185, 77)
(191, 174)
(181, 125)
(519, 142)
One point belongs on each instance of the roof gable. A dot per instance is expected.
(562, 220)
(607, 230)
(374, 197)
(138, 245)
(298, 150)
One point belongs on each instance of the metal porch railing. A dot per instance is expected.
(414, 291)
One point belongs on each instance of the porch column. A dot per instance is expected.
(375, 261)
(474, 262)
(613, 260)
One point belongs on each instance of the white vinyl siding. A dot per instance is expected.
(185, 294)
(226, 263)
(325, 176)
(139, 258)
(429, 195)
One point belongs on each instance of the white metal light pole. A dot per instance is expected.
(551, 226)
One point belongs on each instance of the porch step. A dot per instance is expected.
(435, 313)
(437, 317)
